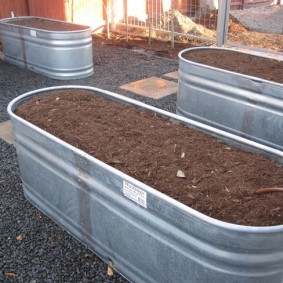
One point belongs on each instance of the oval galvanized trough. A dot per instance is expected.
(146, 235)
(59, 54)
(243, 105)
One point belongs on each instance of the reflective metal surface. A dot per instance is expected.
(55, 54)
(148, 236)
(243, 105)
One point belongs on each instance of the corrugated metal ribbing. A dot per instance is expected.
(63, 54)
(246, 106)
(150, 239)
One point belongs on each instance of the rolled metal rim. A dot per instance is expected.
(6, 21)
(183, 52)
(204, 218)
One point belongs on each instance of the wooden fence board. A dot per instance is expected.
(19, 7)
(54, 9)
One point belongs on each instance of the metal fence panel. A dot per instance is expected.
(161, 19)
(202, 19)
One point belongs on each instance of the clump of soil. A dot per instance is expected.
(45, 24)
(264, 68)
(220, 180)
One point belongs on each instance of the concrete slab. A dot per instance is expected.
(172, 75)
(153, 87)
(6, 133)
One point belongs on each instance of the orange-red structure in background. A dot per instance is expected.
(54, 9)
(93, 12)
(85, 12)
(18, 7)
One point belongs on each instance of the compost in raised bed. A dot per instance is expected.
(216, 179)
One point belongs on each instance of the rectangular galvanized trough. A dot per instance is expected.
(64, 52)
(144, 234)
(247, 106)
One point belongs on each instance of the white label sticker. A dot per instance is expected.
(134, 193)
(33, 33)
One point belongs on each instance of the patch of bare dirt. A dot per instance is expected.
(258, 40)
(237, 34)
(157, 47)
(219, 180)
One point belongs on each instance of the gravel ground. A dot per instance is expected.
(267, 19)
(46, 253)
(33, 248)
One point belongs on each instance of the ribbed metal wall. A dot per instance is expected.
(152, 239)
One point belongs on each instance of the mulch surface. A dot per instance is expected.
(220, 180)
(264, 68)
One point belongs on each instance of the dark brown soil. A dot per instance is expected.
(264, 68)
(273, 42)
(220, 180)
(49, 25)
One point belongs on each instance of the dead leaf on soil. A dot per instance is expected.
(2, 181)
(181, 174)
(110, 271)
(115, 162)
